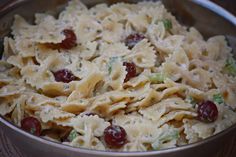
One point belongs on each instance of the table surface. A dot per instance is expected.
(7, 149)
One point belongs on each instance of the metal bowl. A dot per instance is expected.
(207, 17)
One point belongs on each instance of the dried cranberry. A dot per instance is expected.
(31, 125)
(133, 39)
(207, 111)
(115, 136)
(64, 75)
(131, 70)
(70, 41)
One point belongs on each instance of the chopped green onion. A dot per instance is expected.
(230, 67)
(111, 61)
(174, 134)
(73, 134)
(191, 100)
(165, 137)
(32, 130)
(217, 98)
(157, 78)
(109, 69)
(167, 23)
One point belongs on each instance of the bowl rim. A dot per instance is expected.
(114, 153)
(204, 3)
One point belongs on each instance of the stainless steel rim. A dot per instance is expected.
(122, 154)
(206, 4)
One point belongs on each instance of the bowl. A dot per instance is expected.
(207, 17)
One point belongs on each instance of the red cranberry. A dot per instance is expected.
(64, 75)
(131, 70)
(70, 41)
(31, 125)
(133, 39)
(115, 136)
(207, 111)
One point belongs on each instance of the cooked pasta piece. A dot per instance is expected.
(124, 77)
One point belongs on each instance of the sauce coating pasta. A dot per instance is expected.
(125, 77)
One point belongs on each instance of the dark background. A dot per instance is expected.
(230, 5)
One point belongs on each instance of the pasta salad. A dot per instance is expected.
(124, 77)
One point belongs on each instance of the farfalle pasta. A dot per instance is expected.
(124, 77)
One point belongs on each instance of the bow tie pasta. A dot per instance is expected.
(125, 77)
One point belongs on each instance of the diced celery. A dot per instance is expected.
(191, 100)
(111, 61)
(109, 69)
(217, 98)
(165, 137)
(167, 23)
(157, 78)
(73, 134)
(230, 67)
(174, 134)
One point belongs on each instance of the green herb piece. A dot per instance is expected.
(111, 61)
(217, 98)
(73, 134)
(168, 24)
(165, 137)
(32, 130)
(109, 69)
(174, 134)
(191, 100)
(230, 67)
(157, 78)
